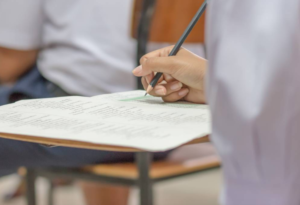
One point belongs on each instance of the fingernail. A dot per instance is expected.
(137, 70)
(183, 92)
(160, 92)
(176, 86)
(168, 77)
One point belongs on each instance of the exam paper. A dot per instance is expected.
(123, 119)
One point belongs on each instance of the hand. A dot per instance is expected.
(183, 75)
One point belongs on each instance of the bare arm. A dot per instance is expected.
(14, 63)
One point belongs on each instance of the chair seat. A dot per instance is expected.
(184, 160)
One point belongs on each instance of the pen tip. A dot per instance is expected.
(145, 94)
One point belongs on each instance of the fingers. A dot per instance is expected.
(175, 96)
(164, 52)
(173, 87)
(150, 59)
(170, 92)
(156, 61)
(144, 83)
(163, 80)
(186, 67)
(163, 90)
(166, 65)
(168, 78)
(158, 91)
(149, 77)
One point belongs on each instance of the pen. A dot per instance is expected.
(179, 43)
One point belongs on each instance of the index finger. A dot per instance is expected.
(163, 52)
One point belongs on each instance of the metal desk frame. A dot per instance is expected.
(143, 182)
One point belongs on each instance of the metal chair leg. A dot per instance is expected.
(51, 192)
(145, 182)
(143, 32)
(30, 185)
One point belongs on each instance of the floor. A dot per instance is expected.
(197, 189)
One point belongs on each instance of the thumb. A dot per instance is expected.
(157, 64)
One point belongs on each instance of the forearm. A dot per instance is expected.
(14, 63)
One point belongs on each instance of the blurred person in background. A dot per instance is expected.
(61, 48)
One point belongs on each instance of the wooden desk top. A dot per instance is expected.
(83, 145)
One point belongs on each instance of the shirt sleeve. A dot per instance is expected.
(253, 89)
(21, 24)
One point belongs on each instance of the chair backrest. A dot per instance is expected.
(169, 20)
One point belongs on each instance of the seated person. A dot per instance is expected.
(57, 48)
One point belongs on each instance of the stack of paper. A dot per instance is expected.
(122, 119)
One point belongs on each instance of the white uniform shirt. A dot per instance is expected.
(253, 88)
(86, 45)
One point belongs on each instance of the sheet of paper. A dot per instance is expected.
(123, 119)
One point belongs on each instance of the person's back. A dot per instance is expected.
(91, 39)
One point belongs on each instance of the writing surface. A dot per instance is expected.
(123, 119)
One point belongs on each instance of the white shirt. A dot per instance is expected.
(86, 45)
(253, 88)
